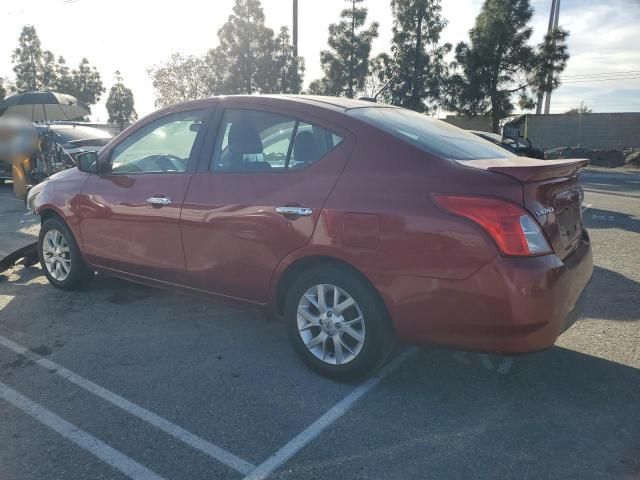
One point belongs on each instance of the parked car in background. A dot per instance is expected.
(521, 147)
(359, 223)
(77, 137)
(56, 147)
(5, 172)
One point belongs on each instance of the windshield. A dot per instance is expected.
(75, 133)
(431, 135)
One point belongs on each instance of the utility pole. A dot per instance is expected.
(549, 29)
(295, 28)
(547, 103)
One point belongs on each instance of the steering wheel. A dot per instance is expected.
(167, 162)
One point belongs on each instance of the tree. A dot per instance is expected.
(27, 60)
(63, 78)
(379, 78)
(38, 69)
(3, 90)
(579, 110)
(246, 50)
(290, 67)
(494, 65)
(346, 64)
(120, 104)
(319, 86)
(86, 84)
(180, 79)
(552, 56)
(418, 68)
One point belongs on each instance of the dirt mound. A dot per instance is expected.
(632, 157)
(598, 158)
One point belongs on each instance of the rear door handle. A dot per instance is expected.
(297, 211)
(158, 201)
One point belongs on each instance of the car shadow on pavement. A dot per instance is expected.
(555, 414)
(596, 218)
(612, 296)
(621, 183)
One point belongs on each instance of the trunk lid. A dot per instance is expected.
(551, 194)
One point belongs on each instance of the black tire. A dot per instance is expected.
(79, 274)
(379, 337)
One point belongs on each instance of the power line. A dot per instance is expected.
(601, 75)
(602, 80)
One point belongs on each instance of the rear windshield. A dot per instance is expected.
(433, 136)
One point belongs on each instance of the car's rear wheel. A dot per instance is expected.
(337, 323)
(60, 256)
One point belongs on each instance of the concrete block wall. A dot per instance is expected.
(592, 130)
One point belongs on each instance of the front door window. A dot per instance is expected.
(163, 146)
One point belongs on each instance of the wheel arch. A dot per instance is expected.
(296, 267)
(46, 213)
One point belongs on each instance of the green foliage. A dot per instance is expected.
(247, 51)
(499, 64)
(3, 90)
(249, 59)
(552, 57)
(180, 79)
(346, 64)
(319, 86)
(579, 110)
(378, 79)
(86, 84)
(120, 104)
(37, 69)
(64, 82)
(418, 68)
(291, 68)
(497, 58)
(27, 59)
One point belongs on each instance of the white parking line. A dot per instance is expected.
(166, 426)
(316, 428)
(84, 440)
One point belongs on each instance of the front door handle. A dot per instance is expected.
(296, 211)
(158, 201)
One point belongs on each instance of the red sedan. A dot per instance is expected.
(359, 223)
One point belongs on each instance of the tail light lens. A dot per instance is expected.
(508, 224)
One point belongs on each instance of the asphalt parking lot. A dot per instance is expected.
(125, 381)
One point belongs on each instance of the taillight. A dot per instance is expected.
(510, 226)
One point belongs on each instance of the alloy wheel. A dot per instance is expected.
(331, 324)
(57, 255)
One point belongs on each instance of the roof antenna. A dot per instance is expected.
(374, 99)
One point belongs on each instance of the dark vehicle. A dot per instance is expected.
(521, 147)
(58, 146)
(76, 138)
(5, 172)
(359, 223)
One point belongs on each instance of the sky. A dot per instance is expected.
(133, 35)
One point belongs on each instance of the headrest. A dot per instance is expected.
(305, 148)
(244, 138)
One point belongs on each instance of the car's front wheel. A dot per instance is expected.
(337, 324)
(60, 256)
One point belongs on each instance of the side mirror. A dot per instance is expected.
(87, 162)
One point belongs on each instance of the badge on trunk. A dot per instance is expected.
(544, 211)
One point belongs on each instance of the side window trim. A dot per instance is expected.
(292, 140)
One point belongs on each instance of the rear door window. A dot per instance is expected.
(258, 141)
(430, 135)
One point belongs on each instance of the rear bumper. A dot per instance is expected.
(511, 305)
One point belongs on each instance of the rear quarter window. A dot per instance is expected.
(430, 135)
